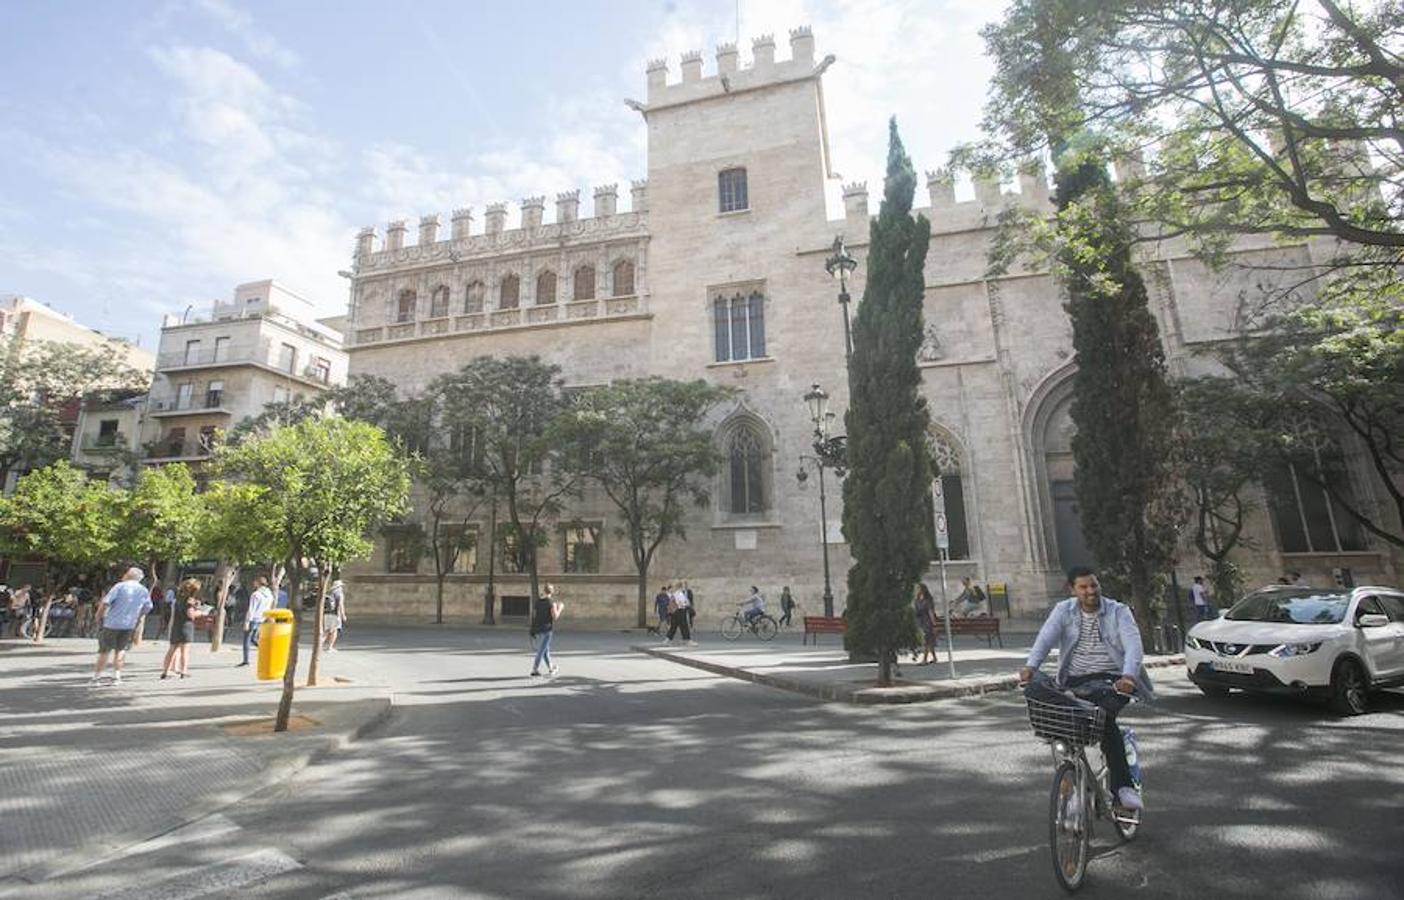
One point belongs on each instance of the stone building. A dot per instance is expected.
(263, 346)
(716, 271)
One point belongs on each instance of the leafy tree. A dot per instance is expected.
(56, 514)
(40, 381)
(1334, 367)
(510, 406)
(162, 516)
(1259, 117)
(235, 529)
(328, 482)
(888, 458)
(364, 398)
(449, 472)
(642, 442)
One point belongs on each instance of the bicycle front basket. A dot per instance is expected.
(1075, 722)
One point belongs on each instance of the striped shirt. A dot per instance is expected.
(1090, 654)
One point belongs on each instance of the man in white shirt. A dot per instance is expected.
(260, 602)
(1200, 595)
(680, 619)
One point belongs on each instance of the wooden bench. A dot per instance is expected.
(817, 625)
(986, 627)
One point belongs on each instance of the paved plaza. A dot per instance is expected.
(630, 775)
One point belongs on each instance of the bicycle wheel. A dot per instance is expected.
(1068, 831)
(766, 628)
(731, 628)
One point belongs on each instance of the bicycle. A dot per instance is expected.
(1080, 794)
(762, 626)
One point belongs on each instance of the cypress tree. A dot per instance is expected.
(1123, 404)
(889, 463)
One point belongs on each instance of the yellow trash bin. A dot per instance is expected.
(275, 637)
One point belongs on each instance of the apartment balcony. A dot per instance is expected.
(264, 355)
(103, 443)
(176, 451)
(190, 406)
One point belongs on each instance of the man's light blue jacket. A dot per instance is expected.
(1118, 627)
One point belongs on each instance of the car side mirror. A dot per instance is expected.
(1372, 620)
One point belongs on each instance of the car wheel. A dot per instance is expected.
(1217, 691)
(1349, 688)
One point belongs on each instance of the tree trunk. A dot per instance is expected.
(439, 597)
(489, 600)
(226, 578)
(643, 596)
(290, 673)
(320, 617)
(884, 667)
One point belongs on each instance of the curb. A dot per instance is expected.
(279, 771)
(907, 692)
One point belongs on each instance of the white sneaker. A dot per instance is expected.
(116, 677)
(554, 669)
(1129, 798)
(692, 643)
(95, 681)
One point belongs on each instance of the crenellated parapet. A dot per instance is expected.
(730, 76)
(608, 221)
(947, 214)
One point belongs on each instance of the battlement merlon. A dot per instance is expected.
(729, 78)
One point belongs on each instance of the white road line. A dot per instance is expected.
(217, 878)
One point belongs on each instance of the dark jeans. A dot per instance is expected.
(680, 620)
(1097, 688)
(250, 639)
(785, 618)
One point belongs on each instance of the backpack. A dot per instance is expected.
(329, 604)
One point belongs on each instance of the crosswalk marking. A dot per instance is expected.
(214, 879)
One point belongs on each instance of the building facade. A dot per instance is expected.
(716, 271)
(263, 346)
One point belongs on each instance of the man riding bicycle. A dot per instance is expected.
(753, 606)
(1099, 660)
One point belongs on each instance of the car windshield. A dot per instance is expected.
(1302, 607)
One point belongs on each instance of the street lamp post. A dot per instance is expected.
(825, 450)
(839, 265)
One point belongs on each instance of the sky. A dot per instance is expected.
(157, 154)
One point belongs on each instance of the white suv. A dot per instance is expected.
(1338, 644)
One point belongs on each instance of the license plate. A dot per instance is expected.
(1231, 665)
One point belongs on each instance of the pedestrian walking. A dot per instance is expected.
(118, 614)
(333, 615)
(925, 609)
(185, 603)
(787, 605)
(691, 606)
(1200, 595)
(543, 626)
(679, 619)
(660, 608)
(260, 602)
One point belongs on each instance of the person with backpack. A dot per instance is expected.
(787, 605)
(333, 615)
(543, 626)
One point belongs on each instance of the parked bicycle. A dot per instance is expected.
(762, 626)
(1080, 793)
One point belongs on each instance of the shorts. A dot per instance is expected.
(114, 640)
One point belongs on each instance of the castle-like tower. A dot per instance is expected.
(716, 271)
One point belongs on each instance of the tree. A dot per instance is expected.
(235, 528)
(510, 405)
(57, 515)
(162, 516)
(40, 381)
(364, 398)
(888, 457)
(642, 442)
(449, 471)
(1125, 455)
(328, 482)
(1259, 117)
(1332, 368)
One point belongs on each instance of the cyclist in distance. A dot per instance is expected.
(752, 606)
(1099, 659)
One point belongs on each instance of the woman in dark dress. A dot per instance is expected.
(925, 609)
(182, 628)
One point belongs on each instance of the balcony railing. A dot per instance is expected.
(491, 320)
(177, 450)
(103, 443)
(211, 403)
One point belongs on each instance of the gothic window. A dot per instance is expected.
(402, 550)
(581, 548)
(546, 288)
(948, 469)
(748, 464)
(1307, 518)
(623, 278)
(584, 287)
(731, 190)
(465, 538)
(473, 298)
(739, 322)
(404, 308)
(439, 302)
(509, 292)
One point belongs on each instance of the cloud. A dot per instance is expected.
(240, 24)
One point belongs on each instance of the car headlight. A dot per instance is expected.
(1193, 641)
(1283, 651)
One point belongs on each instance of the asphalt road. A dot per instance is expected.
(627, 776)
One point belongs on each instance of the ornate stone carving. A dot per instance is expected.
(931, 348)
